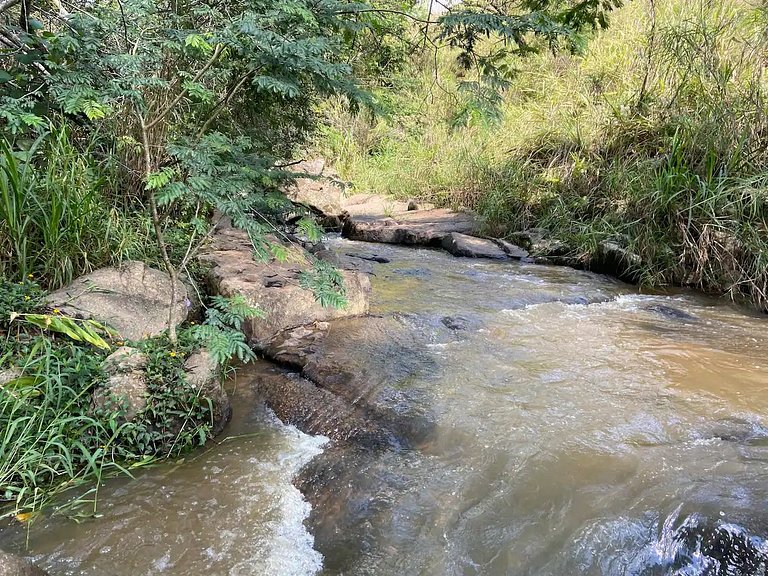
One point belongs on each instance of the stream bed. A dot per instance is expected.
(579, 428)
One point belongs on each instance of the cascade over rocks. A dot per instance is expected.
(132, 298)
(329, 355)
(297, 401)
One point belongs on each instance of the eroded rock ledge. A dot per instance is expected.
(274, 286)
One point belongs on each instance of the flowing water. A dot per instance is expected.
(581, 428)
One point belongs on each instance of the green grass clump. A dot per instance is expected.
(656, 138)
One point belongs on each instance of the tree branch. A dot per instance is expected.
(387, 11)
(211, 61)
(5, 4)
(224, 101)
(172, 273)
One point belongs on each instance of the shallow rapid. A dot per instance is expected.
(581, 428)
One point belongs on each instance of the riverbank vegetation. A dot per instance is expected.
(126, 126)
(653, 137)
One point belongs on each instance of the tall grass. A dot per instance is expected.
(56, 217)
(49, 441)
(56, 436)
(656, 137)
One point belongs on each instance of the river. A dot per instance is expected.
(581, 428)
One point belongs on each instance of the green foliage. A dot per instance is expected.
(53, 436)
(49, 442)
(18, 297)
(55, 221)
(326, 283)
(79, 330)
(662, 148)
(221, 333)
(177, 416)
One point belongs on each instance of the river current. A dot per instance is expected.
(582, 428)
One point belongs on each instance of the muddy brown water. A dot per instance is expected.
(581, 428)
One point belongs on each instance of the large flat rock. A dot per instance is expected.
(416, 227)
(132, 298)
(369, 363)
(274, 286)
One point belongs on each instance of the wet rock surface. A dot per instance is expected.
(11, 565)
(368, 364)
(472, 247)
(613, 259)
(512, 250)
(314, 410)
(132, 298)
(671, 312)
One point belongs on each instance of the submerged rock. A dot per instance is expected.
(11, 565)
(472, 247)
(132, 298)
(455, 322)
(670, 312)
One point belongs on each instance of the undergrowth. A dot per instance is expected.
(54, 438)
(655, 138)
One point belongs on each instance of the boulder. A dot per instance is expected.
(417, 227)
(512, 250)
(132, 298)
(126, 388)
(11, 565)
(471, 247)
(352, 359)
(299, 402)
(527, 239)
(613, 259)
(321, 190)
(204, 374)
(275, 286)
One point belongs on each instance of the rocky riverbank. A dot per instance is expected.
(362, 407)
